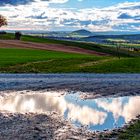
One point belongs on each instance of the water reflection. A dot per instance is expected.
(126, 107)
(98, 114)
(33, 102)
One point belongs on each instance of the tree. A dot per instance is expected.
(18, 35)
(3, 21)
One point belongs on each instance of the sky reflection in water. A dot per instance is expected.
(97, 114)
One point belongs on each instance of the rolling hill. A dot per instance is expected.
(81, 33)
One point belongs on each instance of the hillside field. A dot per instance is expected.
(14, 60)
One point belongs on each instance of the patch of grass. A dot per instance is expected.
(131, 45)
(131, 133)
(6, 36)
(123, 65)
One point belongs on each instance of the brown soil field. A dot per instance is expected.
(51, 47)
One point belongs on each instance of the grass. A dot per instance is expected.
(6, 36)
(131, 45)
(10, 58)
(13, 60)
(123, 65)
(131, 133)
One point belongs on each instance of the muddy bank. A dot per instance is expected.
(38, 127)
(33, 126)
(96, 85)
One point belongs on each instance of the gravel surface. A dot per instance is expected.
(31, 126)
(92, 84)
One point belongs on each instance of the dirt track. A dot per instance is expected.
(43, 46)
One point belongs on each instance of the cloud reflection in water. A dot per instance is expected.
(90, 112)
(126, 107)
(44, 102)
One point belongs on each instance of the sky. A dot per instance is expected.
(69, 15)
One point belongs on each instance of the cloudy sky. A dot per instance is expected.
(94, 15)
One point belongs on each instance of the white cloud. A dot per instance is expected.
(103, 19)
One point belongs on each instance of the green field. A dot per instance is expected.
(16, 60)
(13, 60)
(131, 45)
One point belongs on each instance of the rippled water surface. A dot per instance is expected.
(96, 114)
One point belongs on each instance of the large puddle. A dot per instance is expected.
(95, 114)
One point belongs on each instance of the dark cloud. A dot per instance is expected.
(15, 2)
(127, 16)
(86, 22)
(131, 7)
(101, 22)
(15, 16)
(75, 22)
(18, 2)
(41, 16)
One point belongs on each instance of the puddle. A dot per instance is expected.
(95, 114)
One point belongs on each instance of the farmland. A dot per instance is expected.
(14, 59)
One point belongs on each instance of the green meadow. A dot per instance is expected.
(13, 60)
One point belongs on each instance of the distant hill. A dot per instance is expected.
(129, 37)
(109, 38)
(81, 33)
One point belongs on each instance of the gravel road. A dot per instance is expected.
(95, 84)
